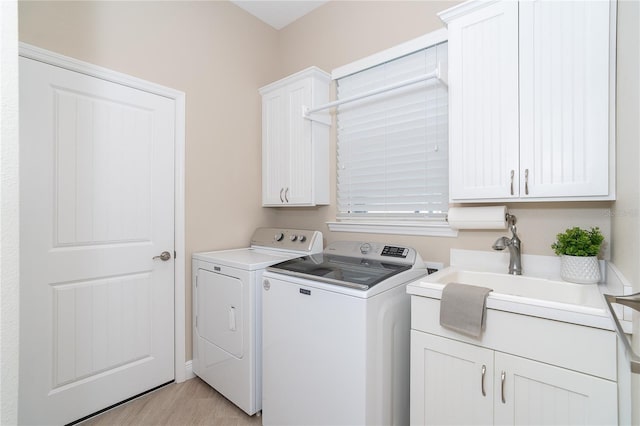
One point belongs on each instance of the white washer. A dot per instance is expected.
(227, 312)
(336, 330)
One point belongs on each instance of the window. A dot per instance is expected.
(392, 148)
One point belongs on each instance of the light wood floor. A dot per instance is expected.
(192, 402)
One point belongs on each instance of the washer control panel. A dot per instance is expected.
(374, 251)
(394, 251)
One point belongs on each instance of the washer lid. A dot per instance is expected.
(353, 272)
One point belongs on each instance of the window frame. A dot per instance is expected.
(425, 227)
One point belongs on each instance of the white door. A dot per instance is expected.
(451, 382)
(275, 148)
(564, 98)
(299, 189)
(483, 100)
(220, 311)
(97, 203)
(532, 393)
(287, 146)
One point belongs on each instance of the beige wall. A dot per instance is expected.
(219, 56)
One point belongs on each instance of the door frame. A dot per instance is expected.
(71, 64)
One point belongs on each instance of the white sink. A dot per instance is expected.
(523, 287)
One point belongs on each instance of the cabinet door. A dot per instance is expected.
(275, 148)
(299, 187)
(564, 98)
(483, 91)
(533, 393)
(451, 382)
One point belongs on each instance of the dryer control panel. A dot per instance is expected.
(302, 240)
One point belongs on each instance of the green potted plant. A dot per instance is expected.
(578, 250)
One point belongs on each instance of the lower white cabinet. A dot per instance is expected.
(523, 371)
(459, 383)
(451, 382)
(534, 393)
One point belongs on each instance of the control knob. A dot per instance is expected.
(302, 238)
(365, 248)
(293, 237)
(279, 237)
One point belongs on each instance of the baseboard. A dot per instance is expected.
(188, 370)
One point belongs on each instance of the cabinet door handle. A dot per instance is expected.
(526, 181)
(281, 199)
(484, 372)
(286, 195)
(503, 376)
(512, 175)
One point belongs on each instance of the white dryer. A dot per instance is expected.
(227, 311)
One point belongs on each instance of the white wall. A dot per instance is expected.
(9, 265)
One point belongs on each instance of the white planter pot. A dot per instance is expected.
(580, 270)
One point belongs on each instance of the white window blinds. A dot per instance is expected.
(392, 148)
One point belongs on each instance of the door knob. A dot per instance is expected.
(164, 256)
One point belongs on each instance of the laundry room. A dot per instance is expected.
(374, 231)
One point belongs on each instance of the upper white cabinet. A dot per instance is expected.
(295, 150)
(531, 100)
(483, 102)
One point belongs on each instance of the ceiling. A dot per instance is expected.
(281, 13)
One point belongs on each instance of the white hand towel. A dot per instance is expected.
(463, 308)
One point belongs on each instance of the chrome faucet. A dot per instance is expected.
(514, 244)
